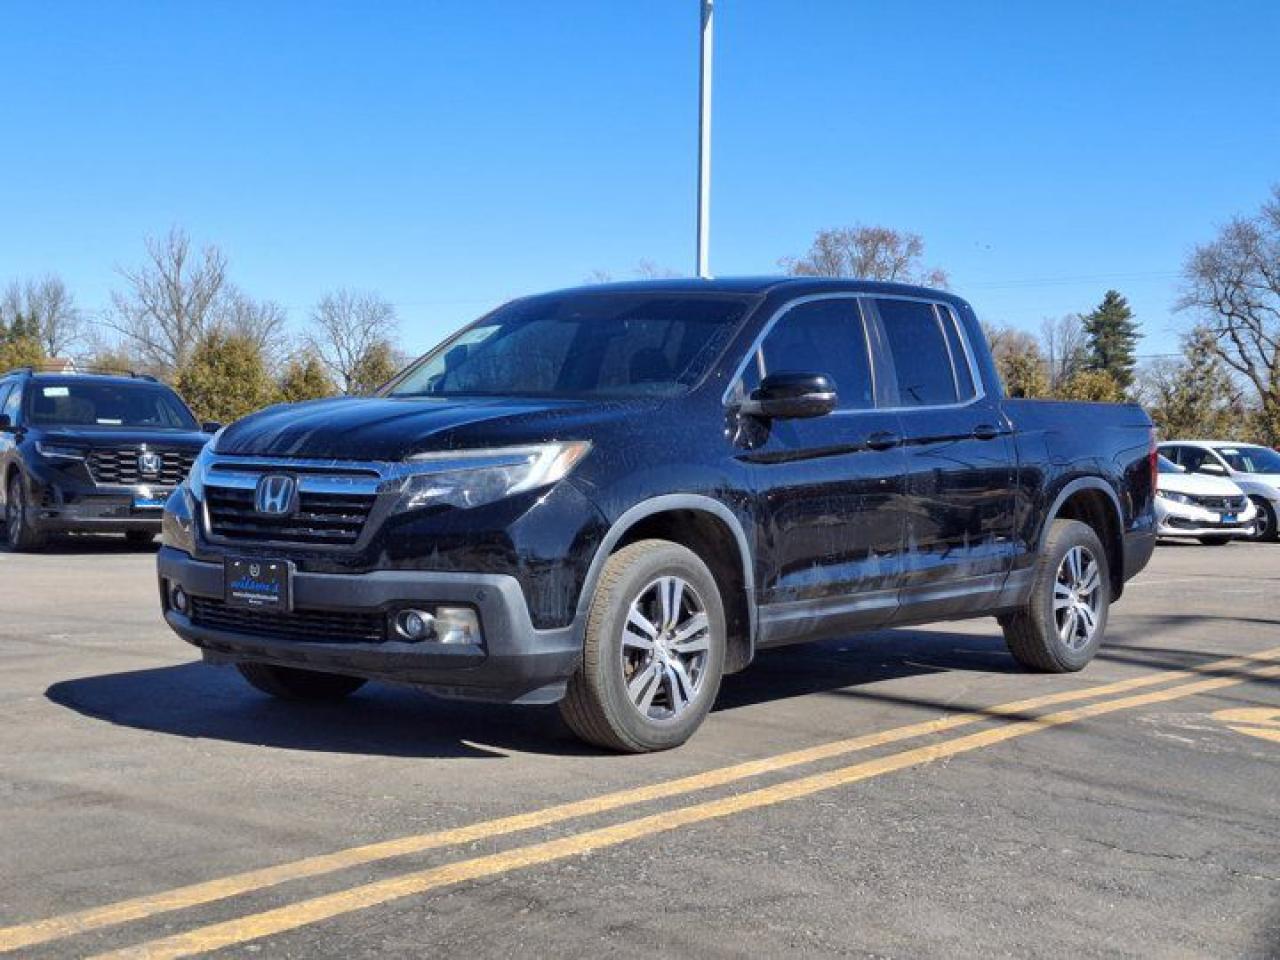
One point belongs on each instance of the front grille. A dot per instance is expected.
(120, 466)
(321, 517)
(310, 626)
(1222, 503)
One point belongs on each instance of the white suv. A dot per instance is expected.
(1254, 469)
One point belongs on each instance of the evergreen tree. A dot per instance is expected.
(1098, 386)
(1113, 335)
(375, 367)
(225, 378)
(305, 378)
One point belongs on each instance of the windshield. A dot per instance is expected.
(88, 404)
(1167, 466)
(581, 345)
(1250, 459)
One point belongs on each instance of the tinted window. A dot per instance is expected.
(1251, 459)
(581, 345)
(959, 359)
(1191, 457)
(4, 393)
(67, 402)
(821, 336)
(921, 358)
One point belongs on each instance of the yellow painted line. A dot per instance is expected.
(1262, 722)
(282, 919)
(181, 898)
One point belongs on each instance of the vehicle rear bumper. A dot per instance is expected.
(514, 662)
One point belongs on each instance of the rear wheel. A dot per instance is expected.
(290, 683)
(1265, 527)
(1062, 624)
(21, 533)
(653, 653)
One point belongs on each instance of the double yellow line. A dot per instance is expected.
(1223, 673)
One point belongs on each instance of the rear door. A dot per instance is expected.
(828, 490)
(959, 458)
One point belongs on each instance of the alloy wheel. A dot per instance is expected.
(665, 647)
(1077, 598)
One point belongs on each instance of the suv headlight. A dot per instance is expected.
(58, 451)
(195, 478)
(470, 478)
(1174, 497)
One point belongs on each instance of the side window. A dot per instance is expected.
(959, 359)
(821, 336)
(921, 355)
(4, 392)
(12, 403)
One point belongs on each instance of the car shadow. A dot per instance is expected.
(80, 544)
(199, 701)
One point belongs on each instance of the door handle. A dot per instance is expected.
(883, 440)
(985, 431)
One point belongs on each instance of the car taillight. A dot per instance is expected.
(1153, 459)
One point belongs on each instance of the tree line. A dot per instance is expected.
(178, 316)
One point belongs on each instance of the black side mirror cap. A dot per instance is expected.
(792, 396)
(6, 422)
(211, 426)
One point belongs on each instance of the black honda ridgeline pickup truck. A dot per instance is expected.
(611, 496)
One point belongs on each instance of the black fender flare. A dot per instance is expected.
(666, 504)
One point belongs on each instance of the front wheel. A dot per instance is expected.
(290, 683)
(1265, 526)
(1061, 626)
(21, 532)
(653, 653)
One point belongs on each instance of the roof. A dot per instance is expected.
(760, 286)
(79, 377)
(1210, 443)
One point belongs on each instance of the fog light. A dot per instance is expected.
(457, 625)
(181, 602)
(414, 624)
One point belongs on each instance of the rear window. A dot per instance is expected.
(87, 404)
(925, 371)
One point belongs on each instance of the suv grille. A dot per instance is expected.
(120, 466)
(321, 518)
(310, 626)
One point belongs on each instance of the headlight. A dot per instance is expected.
(195, 478)
(1175, 497)
(57, 451)
(470, 478)
(177, 526)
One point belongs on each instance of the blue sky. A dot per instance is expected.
(453, 155)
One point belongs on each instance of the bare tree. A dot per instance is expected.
(866, 252)
(170, 302)
(349, 328)
(1064, 343)
(1232, 288)
(48, 307)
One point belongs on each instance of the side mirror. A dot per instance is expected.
(211, 426)
(6, 422)
(1210, 467)
(792, 396)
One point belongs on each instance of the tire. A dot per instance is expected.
(632, 698)
(139, 538)
(1215, 541)
(1267, 531)
(21, 534)
(1034, 634)
(290, 683)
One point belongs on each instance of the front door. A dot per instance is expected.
(828, 489)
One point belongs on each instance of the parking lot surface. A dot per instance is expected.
(907, 793)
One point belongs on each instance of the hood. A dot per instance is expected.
(1198, 484)
(1271, 480)
(390, 429)
(123, 437)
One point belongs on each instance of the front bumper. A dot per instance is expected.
(514, 663)
(1185, 520)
